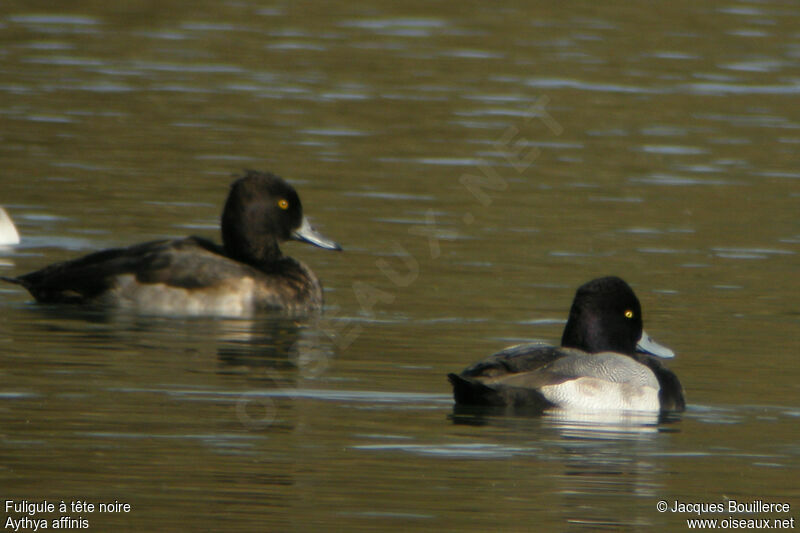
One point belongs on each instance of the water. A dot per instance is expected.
(478, 163)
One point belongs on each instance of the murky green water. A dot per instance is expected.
(478, 162)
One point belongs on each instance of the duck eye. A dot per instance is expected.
(283, 204)
(628, 314)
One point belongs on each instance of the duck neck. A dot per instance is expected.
(589, 335)
(256, 252)
(575, 336)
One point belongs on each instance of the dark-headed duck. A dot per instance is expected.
(605, 362)
(194, 276)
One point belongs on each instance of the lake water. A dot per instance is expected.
(477, 162)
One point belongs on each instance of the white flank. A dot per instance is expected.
(594, 394)
(8, 232)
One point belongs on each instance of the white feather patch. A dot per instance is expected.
(233, 299)
(592, 394)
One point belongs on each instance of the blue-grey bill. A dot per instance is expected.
(646, 344)
(306, 233)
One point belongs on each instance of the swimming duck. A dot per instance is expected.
(194, 276)
(605, 361)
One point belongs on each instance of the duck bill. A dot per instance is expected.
(305, 233)
(646, 344)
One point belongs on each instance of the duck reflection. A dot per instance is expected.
(258, 347)
(280, 344)
(606, 458)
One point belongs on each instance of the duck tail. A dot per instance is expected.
(468, 391)
(16, 281)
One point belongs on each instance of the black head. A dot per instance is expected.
(605, 316)
(263, 210)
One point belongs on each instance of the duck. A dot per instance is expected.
(606, 361)
(247, 274)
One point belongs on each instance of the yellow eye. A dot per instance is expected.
(628, 314)
(283, 204)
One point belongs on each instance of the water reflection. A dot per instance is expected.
(570, 423)
(606, 458)
(601, 471)
(239, 345)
